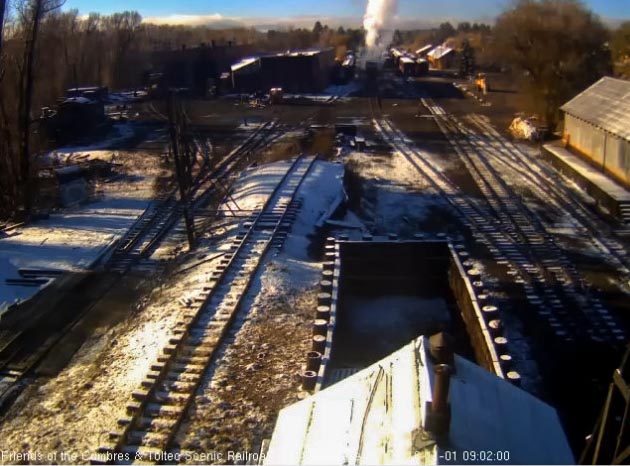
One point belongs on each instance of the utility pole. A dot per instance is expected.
(181, 156)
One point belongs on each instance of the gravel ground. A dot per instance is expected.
(256, 373)
(65, 419)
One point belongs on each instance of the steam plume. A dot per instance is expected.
(377, 22)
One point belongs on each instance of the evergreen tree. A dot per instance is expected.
(467, 60)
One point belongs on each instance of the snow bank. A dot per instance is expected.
(343, 90)
(74, 238)
(70, 241)
(320, 190)
(255, 185)
(127, 96)
(250, 126)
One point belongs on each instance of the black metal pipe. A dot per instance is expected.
(441, 384)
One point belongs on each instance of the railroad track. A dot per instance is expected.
(147, 232)
(155, 112)
(543, 180)
(158, 408)
(139, 242)
(142, 238)
(557, 270)
(515, 240)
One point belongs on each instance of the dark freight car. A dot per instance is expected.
(407, 66)
(198, 68)
(300, 71)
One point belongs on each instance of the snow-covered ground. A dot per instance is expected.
(120, 132)
(73, 412)
(257, 375)
(395, 197)
(127, 96)
(343, 90)
(69, 241)
(74, 238)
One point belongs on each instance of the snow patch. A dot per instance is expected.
(120, 133)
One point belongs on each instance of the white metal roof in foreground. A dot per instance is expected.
(606, 104)
(374, 417)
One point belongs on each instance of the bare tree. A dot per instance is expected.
(32, 13)
(123, 27)
(48, 51)
(558, 44)
(620, 48)
(3, 5)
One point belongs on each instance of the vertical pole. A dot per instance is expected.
(174, 129)
(441, 384)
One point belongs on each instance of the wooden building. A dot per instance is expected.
(597, 126)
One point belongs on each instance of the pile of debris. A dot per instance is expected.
(524, 128)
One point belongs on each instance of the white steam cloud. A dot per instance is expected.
(377, 21)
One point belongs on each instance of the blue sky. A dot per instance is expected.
(465, 9)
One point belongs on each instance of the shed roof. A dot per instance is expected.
(300, 53)
(376, 417)
(244, 63)
(439, 52)
(424, 49)
(606, 104)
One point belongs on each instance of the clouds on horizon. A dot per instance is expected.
(219, 21)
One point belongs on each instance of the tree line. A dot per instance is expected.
(552, 48)
(45, 50)
(557, 46)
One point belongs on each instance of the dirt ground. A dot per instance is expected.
(256, 373)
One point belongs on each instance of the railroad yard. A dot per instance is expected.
(166, 354)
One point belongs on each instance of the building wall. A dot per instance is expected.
(444, 62)
(247, 78)
(604, 149)
(302, 73)
(192, 67)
